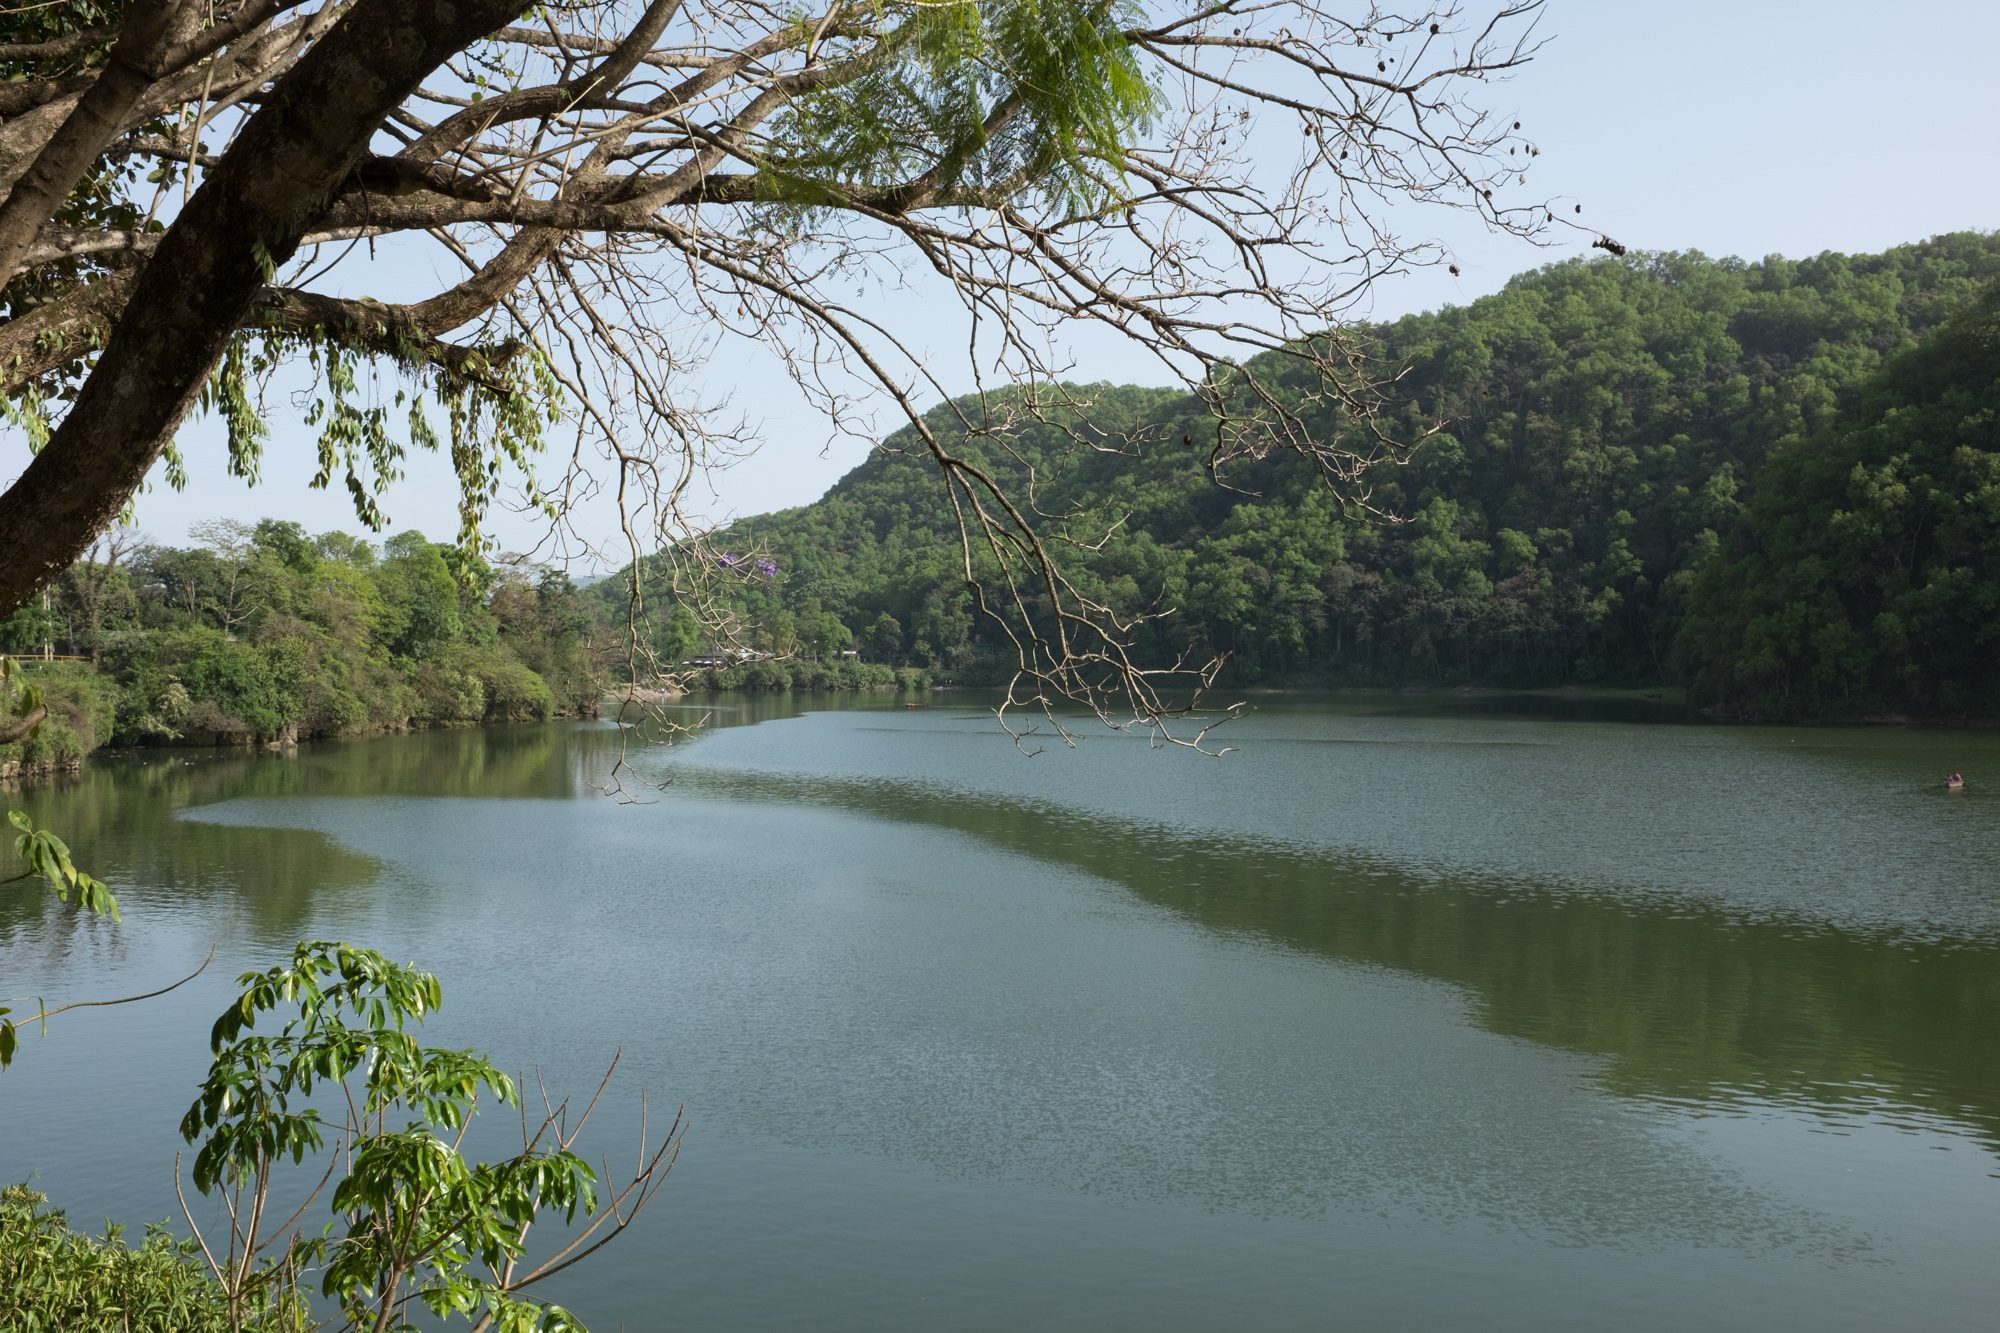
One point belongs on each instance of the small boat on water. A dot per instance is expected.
(1954, 782)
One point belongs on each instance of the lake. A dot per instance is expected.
(1488, 1014)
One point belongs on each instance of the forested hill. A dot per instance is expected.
(1610, 421)
(1865, 573)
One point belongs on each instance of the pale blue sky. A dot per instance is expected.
(1747, 128)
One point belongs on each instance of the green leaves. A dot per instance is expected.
(416, 1218)
(499, 401)
(49, 856)
(58, 1279)
(1862, 577)
(24, 699)
(1016, 97)
(227, 391)
(410, 1198)
(1604, 423)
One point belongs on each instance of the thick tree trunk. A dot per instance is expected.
(268, 190)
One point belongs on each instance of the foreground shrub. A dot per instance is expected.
(53, 1278)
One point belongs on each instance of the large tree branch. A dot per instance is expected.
(407, 334)
(247, 18)
(99, 115)
(18, 99)
(16, 728)
(62, 332)
(603, 79)
(33, 111)
(632, 204)
(394, 195)
(248, 216)
(256, 59)
(56, 48)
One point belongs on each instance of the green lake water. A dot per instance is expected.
(1490, 1014)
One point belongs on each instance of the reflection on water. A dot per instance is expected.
(1691, 1003)
(122, 815)
(1401, 1011)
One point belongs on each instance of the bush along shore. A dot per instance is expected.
(781, 674)
(266, 636)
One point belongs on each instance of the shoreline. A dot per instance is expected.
(15, 773)
(1667, 705)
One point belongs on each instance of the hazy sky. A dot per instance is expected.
(1748, 128)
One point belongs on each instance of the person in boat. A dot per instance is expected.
(1954, 780)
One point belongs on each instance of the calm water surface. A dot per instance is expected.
(1397, 1017)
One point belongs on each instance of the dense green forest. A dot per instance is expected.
(1632, 445)
(1777, 483)
(1865, 573)
(266, 633)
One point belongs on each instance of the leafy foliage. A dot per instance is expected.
(1005, 96)
(1865, 573)
(268, 632)
(53, 1278)
(417, 1222)
(1606, 424)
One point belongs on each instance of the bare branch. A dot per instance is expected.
(43, 1015)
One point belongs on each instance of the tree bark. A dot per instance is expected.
(247, 218)
(98, 116)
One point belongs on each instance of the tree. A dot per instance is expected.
(418, 1222)
(678, 638)
(178, 173)
(414, 1221)
(230, 591)
(95, 581)
(1607, 426)
(885, 639)
(781, 634)
(1864, 576)
(830, 638)
(421, 594)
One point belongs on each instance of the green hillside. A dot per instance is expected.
(1864, 576)
(1614, 426)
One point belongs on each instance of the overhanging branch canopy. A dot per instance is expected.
(630, 186)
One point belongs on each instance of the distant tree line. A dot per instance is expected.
(1770, 481)
(266, 633)
(1776, 483)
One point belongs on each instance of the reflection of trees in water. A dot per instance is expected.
(1547, 705)
(122, 816)
(1686, 1002)
(121, 820)
(526, 761)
